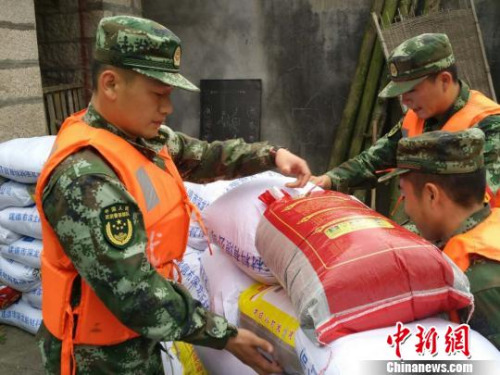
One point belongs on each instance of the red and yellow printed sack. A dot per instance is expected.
(348, 268)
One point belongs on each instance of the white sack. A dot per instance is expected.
(26, 251)
(22, 159)
(224, 283)
(7, 236)
(34, 297)
(15, 194)
(189, 267)
(346, 355)
(18, 276)
(232, 222)
(22, 220)
(23, 316)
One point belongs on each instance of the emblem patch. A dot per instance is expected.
(117, 224)
(177, 57)
(393, 70)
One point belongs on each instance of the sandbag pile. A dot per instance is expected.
(21, 162)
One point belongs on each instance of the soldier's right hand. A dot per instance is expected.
(246, 346)
(322, 181)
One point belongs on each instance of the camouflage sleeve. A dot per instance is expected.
(359, 172)
(491, 128)
(201, 162)
(122, 278)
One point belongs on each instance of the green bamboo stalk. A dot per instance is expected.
(344, 129)
(380, 107)
(431, 6)
(370, 92)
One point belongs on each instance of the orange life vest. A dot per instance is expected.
(481, 240)
(165, 207)
(476, 109)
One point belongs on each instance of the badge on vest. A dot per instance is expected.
(117, 224)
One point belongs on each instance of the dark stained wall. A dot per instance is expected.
(304, 51)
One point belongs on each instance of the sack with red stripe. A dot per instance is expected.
(347, 268)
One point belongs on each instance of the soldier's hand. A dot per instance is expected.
(291, 165)
(246, 345)
(322, 181)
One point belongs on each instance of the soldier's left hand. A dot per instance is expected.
(291, 165)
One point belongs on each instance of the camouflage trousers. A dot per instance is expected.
(138, 356)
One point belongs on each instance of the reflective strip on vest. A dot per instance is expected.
(148, 190)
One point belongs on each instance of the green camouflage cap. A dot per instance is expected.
(414, 59)
(440, 152)
(143, 46)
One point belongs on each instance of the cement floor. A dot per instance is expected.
(19, 353)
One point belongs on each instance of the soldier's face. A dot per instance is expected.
(427, 99)
(143, 104)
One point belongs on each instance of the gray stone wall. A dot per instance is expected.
(21, 99)
(304, 51)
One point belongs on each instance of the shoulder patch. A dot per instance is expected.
(116, 224)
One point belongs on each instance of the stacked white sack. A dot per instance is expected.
(202, 196)
(369, 353)
(233, 218)
(189, 268)
(21, 161)
(224, 289)
(224, 282)
(269, 312)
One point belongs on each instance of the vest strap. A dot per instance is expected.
(68, 362)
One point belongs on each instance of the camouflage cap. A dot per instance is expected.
(414, 59)
(141, 45)
(440, 152)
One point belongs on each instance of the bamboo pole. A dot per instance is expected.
(370, 92)
(379, 112)
(344, 129)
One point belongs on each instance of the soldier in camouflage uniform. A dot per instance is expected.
(442, 177)
(423, 72)
(137, 66)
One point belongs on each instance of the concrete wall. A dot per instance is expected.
(305, 52)
(21, 99)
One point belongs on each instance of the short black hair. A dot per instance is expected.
(464, 189)
(98, 67)
(452, 69)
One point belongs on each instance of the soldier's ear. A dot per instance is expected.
(108, 83)
(446, 80)
(431, 193)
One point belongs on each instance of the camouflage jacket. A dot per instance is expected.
(484, 278)
(159, 309)
(359, 172)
